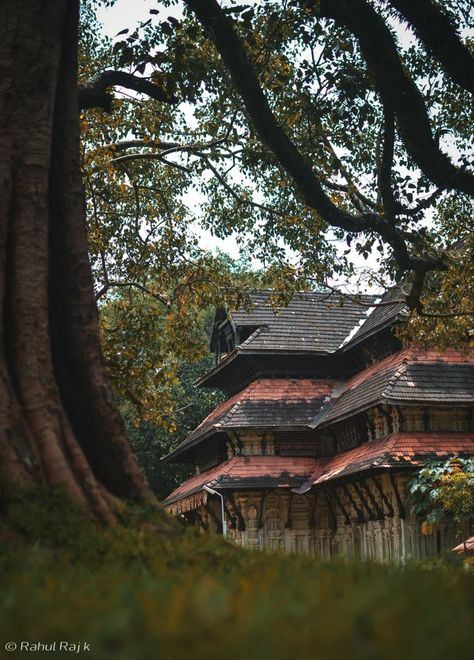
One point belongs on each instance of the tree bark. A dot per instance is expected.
(58, 423)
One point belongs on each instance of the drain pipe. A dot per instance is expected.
(224, 522)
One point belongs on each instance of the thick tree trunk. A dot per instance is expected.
(58, 423)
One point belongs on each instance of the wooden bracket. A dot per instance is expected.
(359, 514)
(332, 515)
(398, 499)
(200, 521)
(232, 518)
(289, 522)
(236, 443)
(378, 510)
(312, 518)
(401, 418)
(364, 502)
(385, 499)
(387, 416)
(215, 518)
(347, 518)
(241, 526)
(262, 509)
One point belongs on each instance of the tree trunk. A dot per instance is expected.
(58, 423)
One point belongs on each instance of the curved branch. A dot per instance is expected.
(135, 285)
(94, 94)
(140, 156)
(397, 90)
(228, 44)
(434, 29)
(233, 193)
(385, 171)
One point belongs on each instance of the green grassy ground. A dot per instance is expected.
(136, 594)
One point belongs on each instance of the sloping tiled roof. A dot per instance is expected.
(317, 322)
(248, 472)
(410, 375)
(398, 450)
(265, 403)
(377, 317)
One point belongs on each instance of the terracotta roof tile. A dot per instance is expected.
(316, 322)
(398, 450)
(377, 318)
(415, 375)
(394, 451)
(468, 545)
(265, 403)
(248, 472)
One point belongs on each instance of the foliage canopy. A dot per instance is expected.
(285, 125)
(444, 490)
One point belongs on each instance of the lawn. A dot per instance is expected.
(134, 592)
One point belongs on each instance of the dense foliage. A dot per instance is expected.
(444, 490)
(151, 442)
(185, 154)
(135, 594)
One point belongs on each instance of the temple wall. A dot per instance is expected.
(316, 524)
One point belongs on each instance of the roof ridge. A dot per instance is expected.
(254, 334)
(395, 377)
(358, 325)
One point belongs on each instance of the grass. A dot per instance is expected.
(136, 594)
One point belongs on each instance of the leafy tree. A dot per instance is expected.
(151, 442)
(444, 490)
(313, 121)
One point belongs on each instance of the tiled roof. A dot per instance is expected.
(377, 317)
(410, 375)
(265, 403)
(398, 450)
(317, 322)
(248, 472)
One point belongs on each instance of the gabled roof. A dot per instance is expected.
(316, 322)
(248, 472)
(398, 450)
(377, 317)
(265, 403)
(408, 376)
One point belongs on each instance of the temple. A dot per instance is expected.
(326, 421)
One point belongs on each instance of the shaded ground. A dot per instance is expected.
(132, 593)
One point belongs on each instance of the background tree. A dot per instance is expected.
(153, 442)
(445, 490)
(344, 127)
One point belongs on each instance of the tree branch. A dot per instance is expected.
(385, 171)
(139, 156)
(399, 93)
(94, 94)
(434, 29)
(136, 285)
(228, 44)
